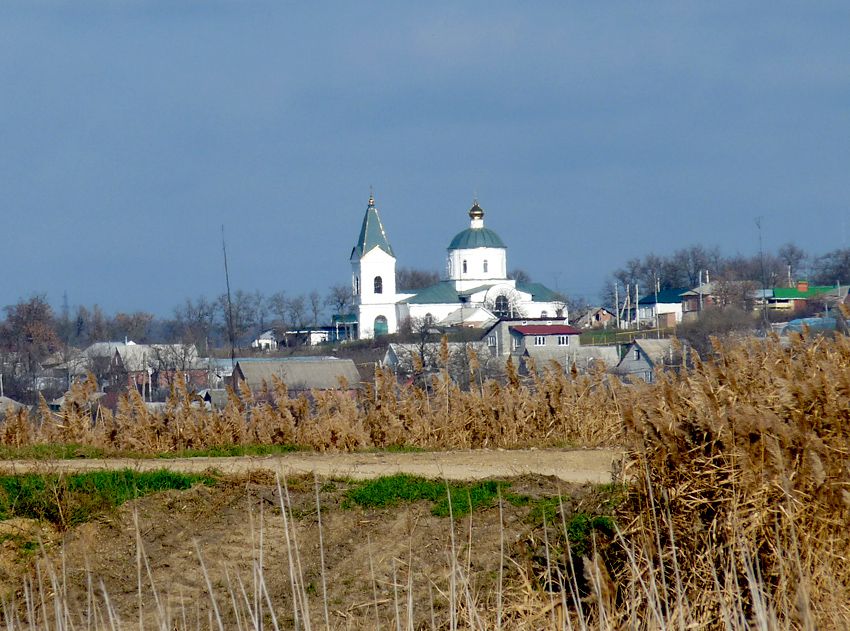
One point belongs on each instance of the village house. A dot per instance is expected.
(596, 318)
(145, 367)
(661, 309)
(644, 359)
(299, 374)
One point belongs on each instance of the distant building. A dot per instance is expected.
(476, 289)
(301, 374)
(662, 308)
(595, 318)
(265, 341)
(644, 359)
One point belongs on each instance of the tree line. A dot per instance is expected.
(687, 267)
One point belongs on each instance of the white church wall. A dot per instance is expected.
(477, 260)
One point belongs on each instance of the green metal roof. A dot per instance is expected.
(440, 294)
(476, 238)
(789, 293)
(372, 234)
(539, 293)
(665, 296)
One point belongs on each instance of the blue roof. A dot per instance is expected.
(372, 233)
(476, 238)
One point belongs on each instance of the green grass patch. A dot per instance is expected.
(51, 452)
(73, 452)
(229, 451)
(66, 500)
(395, 489)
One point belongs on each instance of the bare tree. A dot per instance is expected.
(27, 336)
(315, 306)
(339, 299)
(408, 278)
(519, 275)
(196, 321)
(794, 258)
(296, 311)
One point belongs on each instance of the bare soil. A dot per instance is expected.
(569, 465)
(378, 562)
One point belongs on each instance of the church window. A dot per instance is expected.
(429, 319)
(379, 285)
(464, 266)
(515, 343)
(491, 340)
(485, 266)
(544, 314)
(563, 340)
(502, 307)
(539, 340)
(356, 285)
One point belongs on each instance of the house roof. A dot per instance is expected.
(706, 289)
(545, 329)
(665, 296)
(582, 356)
(8, 405)
(792, 293)
(656, 350)
(372, 233)
(300, 373)
(442, 293)
(538, 291)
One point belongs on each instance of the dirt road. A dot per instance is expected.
(569, 465)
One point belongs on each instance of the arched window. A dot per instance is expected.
(429, 319)
(544, 314)
(502, 307)
(485, 266)
(464, 266)
(379, 285)
(381, 326)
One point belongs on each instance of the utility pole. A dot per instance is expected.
(637, 306)
(617, 303)
(657, 322)
(763, 277)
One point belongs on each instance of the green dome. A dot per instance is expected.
(476, 238)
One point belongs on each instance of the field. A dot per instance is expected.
(732, 511)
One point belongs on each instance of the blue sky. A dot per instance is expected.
(590, 132)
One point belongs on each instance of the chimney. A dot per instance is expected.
(802, 286)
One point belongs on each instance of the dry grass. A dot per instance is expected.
(736, 514)
(549, 410)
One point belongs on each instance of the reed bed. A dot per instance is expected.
(735, 508)
(551, 409)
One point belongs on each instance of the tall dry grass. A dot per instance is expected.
(552, 409)
(736, 512)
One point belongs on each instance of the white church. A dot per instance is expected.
(474, 292)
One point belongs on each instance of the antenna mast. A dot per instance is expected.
(229, 303)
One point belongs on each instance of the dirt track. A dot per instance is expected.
(577, 466)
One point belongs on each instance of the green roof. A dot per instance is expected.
(789, 293)
(442, 293)
(539, 293)
(476, 238)
(665, 296)
(372, 234)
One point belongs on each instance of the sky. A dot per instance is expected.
(591, 133)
